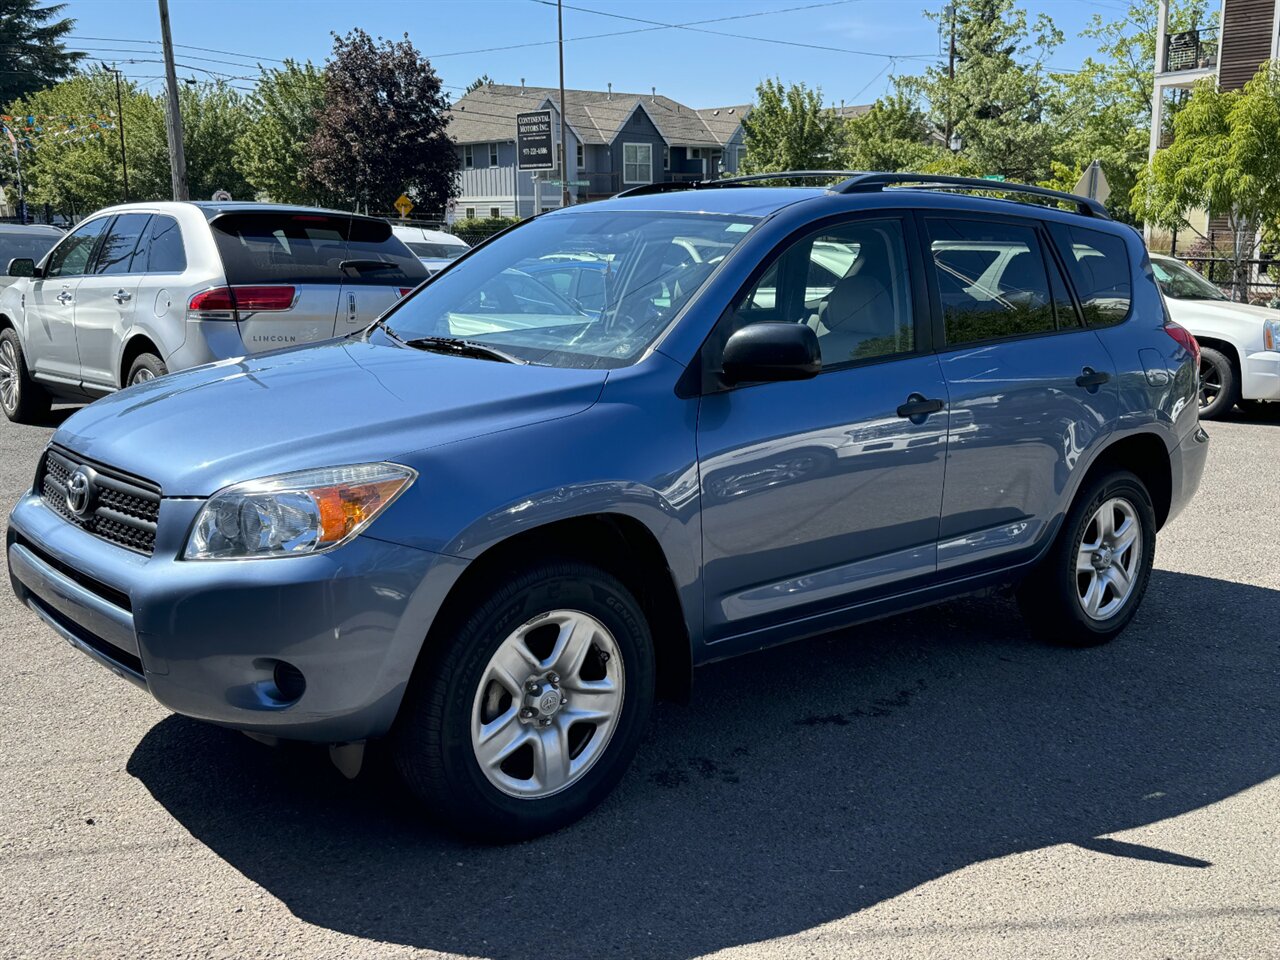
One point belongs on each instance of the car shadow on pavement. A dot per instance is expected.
(804, 784)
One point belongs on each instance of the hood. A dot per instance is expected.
(343, 401)
(1221, 310)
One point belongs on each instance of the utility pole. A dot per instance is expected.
(22, 194)
(124, 163)
(950, 12)
(177, 159)
(564, 125)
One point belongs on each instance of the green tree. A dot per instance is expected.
(483, 80)
(382, 129)
(788, 128)
(893, 135)
(1225, 158)
(272, 151)
(1104, 109)
(32, 52)
(998, 99)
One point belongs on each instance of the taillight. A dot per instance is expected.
(405, 291)
(244, 299)
(1184, 337)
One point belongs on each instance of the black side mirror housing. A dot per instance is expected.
(764, 352)
(22, 267)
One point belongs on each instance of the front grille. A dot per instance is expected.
(119, 508)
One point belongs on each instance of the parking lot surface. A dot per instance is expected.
(935, 785)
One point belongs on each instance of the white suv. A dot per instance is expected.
(1239, 343)
(140, 289)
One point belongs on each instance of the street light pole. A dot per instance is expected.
(564, 131)
(177, 158)
(124, 163)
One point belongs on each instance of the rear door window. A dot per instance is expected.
(991, 279)
(120, 252)
(1099, 266)
(163, 247)
(307, 248)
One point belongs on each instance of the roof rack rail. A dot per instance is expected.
(744, 180)
(865, 182)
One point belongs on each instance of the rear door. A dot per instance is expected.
(107, 297)
(378, 271)
(50, 305)
(1032, 390)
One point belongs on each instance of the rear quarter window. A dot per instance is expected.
(301, 248)
(1099, 266)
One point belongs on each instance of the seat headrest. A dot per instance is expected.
(859, 303)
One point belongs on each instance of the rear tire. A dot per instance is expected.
(556, 719)
(1219, 384)
(1092, 582)
(147, 367)
(22, 399)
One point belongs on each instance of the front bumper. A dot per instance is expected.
(205, 638)
(1260, 376)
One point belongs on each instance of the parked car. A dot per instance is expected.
(493, 547)
(137, 290)
(435, 248)
(29, 241)
(1239, 342)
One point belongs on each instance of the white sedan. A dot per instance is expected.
(434, 248)
(1239, 343)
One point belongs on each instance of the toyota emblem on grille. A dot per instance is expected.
(79, 490)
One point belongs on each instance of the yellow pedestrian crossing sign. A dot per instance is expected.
(404, 205)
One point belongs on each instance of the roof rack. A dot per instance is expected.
(860, 181)
(865, 182)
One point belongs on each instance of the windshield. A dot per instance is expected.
(574, 290)
(436, 251)
(1180, 282)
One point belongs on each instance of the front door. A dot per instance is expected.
(1032, 391)
(50, 345)
(817, 494)
(106, 300)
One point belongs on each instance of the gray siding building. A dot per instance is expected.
(615, 141)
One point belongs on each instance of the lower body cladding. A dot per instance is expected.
(315, 648)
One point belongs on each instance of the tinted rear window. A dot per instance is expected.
(273, 247)
(1099, 266)
(34, 245)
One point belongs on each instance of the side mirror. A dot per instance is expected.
(22, 267)
(772, 351)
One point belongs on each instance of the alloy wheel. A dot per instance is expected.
(547, 704)
(1109, 559)
(9, 376)
(1210, 383)
(141, 375)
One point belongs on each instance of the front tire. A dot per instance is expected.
(1219, 384)
(1092, 582)
(147, 367)
(22, 399)
(532, 709)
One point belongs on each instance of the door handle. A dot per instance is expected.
(122, 296)
(917, 408)
(351, 308)
(1091, 379)
(64, 298)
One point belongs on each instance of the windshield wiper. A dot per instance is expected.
(462, 348)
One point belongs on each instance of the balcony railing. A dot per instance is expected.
(1191, 50)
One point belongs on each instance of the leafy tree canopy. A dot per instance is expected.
(789, 129)
(272, 151)
(382, 129)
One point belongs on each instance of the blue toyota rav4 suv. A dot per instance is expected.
(495, 525)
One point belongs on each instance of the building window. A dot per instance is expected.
(582, 159)
(493, 154)
(695, 153)
(470, 213)
(666, 158)
(637, 163)
(468, 158)
(495, 212)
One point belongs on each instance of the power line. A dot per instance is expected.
(185, 46)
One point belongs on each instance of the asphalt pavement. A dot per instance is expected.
(935, 785)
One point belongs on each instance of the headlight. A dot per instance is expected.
(309, 511)
(1271, 335)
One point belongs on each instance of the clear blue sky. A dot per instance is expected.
(696, 68)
